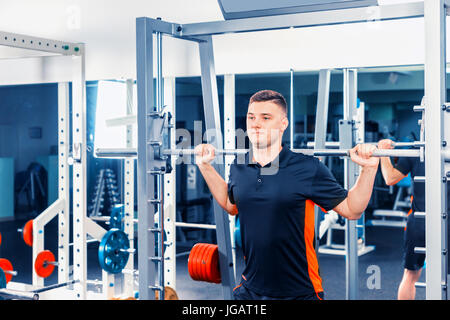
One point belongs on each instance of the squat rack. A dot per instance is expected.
(59, 54)
(435, 111)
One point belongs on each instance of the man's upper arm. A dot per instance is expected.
(325, 190)
(401, 169)
(396, 176)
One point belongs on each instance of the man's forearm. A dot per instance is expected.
(359, 196)
(216, 184)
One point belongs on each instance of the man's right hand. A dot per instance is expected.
(204, 154)
(386, 144)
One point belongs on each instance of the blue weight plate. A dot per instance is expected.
(2, 279)
(110, 256)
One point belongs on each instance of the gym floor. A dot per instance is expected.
(387, 256)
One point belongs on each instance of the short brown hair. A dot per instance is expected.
(270, 95)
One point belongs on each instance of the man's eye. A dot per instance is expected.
(266, 118)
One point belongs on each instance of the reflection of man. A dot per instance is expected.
(276, 210)
(415, 227)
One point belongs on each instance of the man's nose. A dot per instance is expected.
(256, 123)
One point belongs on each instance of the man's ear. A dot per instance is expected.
(285, 123)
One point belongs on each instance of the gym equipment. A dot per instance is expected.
(130, 152)
(27, 232)
(335, 144)
(33, 183)
(157, 242)
(117, 215)
(113, 251)
(398, 215)
(203, 263)
(31, 295)
(106, 184)
(45, 264)
(232, 9)
(7, 270)
(0, 238)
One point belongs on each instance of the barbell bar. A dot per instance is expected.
(32, 295)
(132, 153)
(335, 144)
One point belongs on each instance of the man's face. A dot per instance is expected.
(266, 122)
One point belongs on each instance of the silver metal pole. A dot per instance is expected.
(195, 225)
(130, 153)
(145, 187)
(212, 124)
(435, 182)
(159, 178)
(351, 170)
(335, 144)
(320, 134)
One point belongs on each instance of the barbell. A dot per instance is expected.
(336, 144)
(132, 152)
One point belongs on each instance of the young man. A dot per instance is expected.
(415, 227)
(275, 206)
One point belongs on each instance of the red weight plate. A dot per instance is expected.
(215, 269)
(198, 261)
(205, 263)
(28, 233)
(0, 238)
(212, 264)
(192, 257)
(41, 266)
(6, 265)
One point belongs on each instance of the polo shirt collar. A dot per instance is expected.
(280, 161)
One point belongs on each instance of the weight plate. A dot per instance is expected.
(6, 265)
(28, 233)
(41, 266)
(111, 257)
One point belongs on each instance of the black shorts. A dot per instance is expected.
(243, 293)
(415, 237)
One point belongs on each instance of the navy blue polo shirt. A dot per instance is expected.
(276, 212)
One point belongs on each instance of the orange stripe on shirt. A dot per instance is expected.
(410, 210)
(311, 258)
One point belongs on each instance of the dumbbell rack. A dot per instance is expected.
(106, 184)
